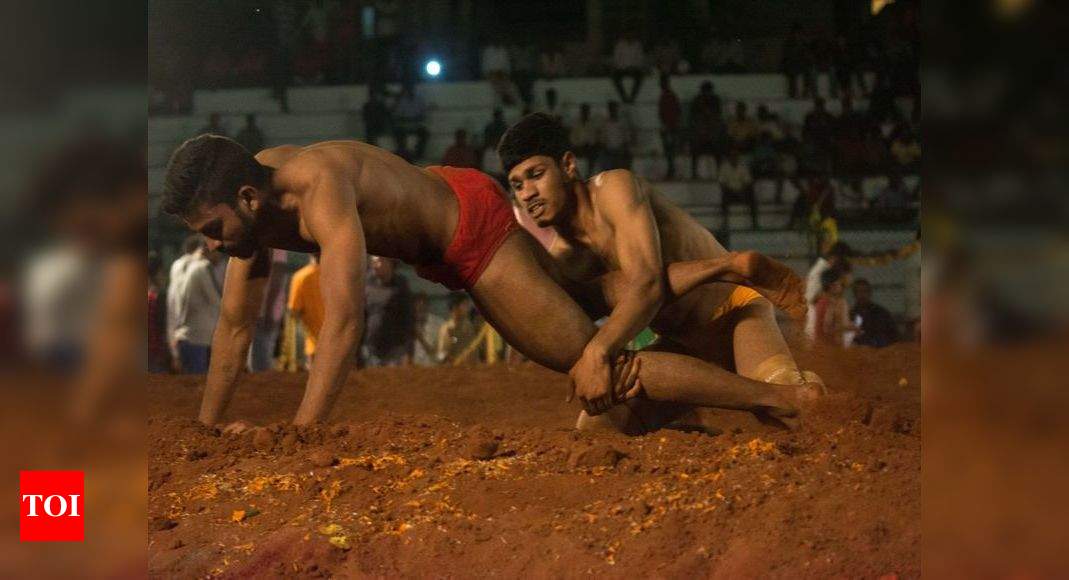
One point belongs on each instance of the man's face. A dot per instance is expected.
(227, 229)
(541, 188)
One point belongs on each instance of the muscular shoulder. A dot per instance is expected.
(617, 191)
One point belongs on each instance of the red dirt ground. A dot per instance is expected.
(462, 472)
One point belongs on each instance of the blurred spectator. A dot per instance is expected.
(460, 153)
(769, 124)
(618, 138)
(818, 132)
(191, 250)
(214, 126)
(670, 112)
(198, 311)
(552, 104)
(666, 57)
(764, 158)
(376, 115)
(388, 332)
(797, 62)
(458, 331)
(742, 128)
(874, 156)
(306, 304)
(814, 202)
(628, 60)
(410, 118)
(830, 310)
(905, 150)
(875, 325)
(492, 133)
(850, 133)
(250, 136)
(834, 255)
(845, 69)
(708, 132)
(894, 196)
(553, 65)
(586, 137)
(736, 185)
(158, 356)
(524, 59)
(270, 320)
(426, 326)
(497, 68)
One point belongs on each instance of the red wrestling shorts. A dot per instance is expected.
(485, 219)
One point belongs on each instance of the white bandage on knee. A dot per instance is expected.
(779, 369)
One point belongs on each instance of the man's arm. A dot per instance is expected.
(243, 292)
(333, 222)
(637, 246)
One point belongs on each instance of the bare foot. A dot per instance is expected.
(773, 280)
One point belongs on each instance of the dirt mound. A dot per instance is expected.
(475, 471)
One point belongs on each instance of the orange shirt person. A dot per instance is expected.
(306, 303)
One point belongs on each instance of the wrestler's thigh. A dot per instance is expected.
(757, 337)
(518, 297)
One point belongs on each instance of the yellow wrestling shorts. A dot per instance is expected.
(739, 297)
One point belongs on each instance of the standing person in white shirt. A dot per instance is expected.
(191, 249)
(199, 299)
(426, 328)
(736, 185)
(833, 255)
(628, 60)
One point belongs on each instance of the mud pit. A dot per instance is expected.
(464, 472)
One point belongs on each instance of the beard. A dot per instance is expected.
(246, 245)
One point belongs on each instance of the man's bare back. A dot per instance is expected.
(406, 212)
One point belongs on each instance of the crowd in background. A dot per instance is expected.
(330, 42)
(400, 326)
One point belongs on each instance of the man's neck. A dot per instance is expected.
(582, 212)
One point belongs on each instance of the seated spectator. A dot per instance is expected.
(459, 329)
(905, 150)
(816, 199)
(587, 138)
(388, 330)
(736, 185)
(460, 153)
(708, 132)
(552, 63)
(818, 134)
(426, 326)
(742, 128)
(769, 124)
(894, 196)
(619, 136)
(833, 326)
(492, 133)
(874, 156)
(250, 136)
(551, 105)
(497, 68)
(410, 118)
(875, 325)
(214, 126)
(628, 60)
(764, 158)
(376, 115)
(524, 59)
(670, 113)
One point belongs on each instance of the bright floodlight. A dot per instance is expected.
(433, 68)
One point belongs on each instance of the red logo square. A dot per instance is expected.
(51, 506)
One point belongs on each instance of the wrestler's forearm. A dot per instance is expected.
(230, 345)
(633, 312)
(336, 348)
(686, 276)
